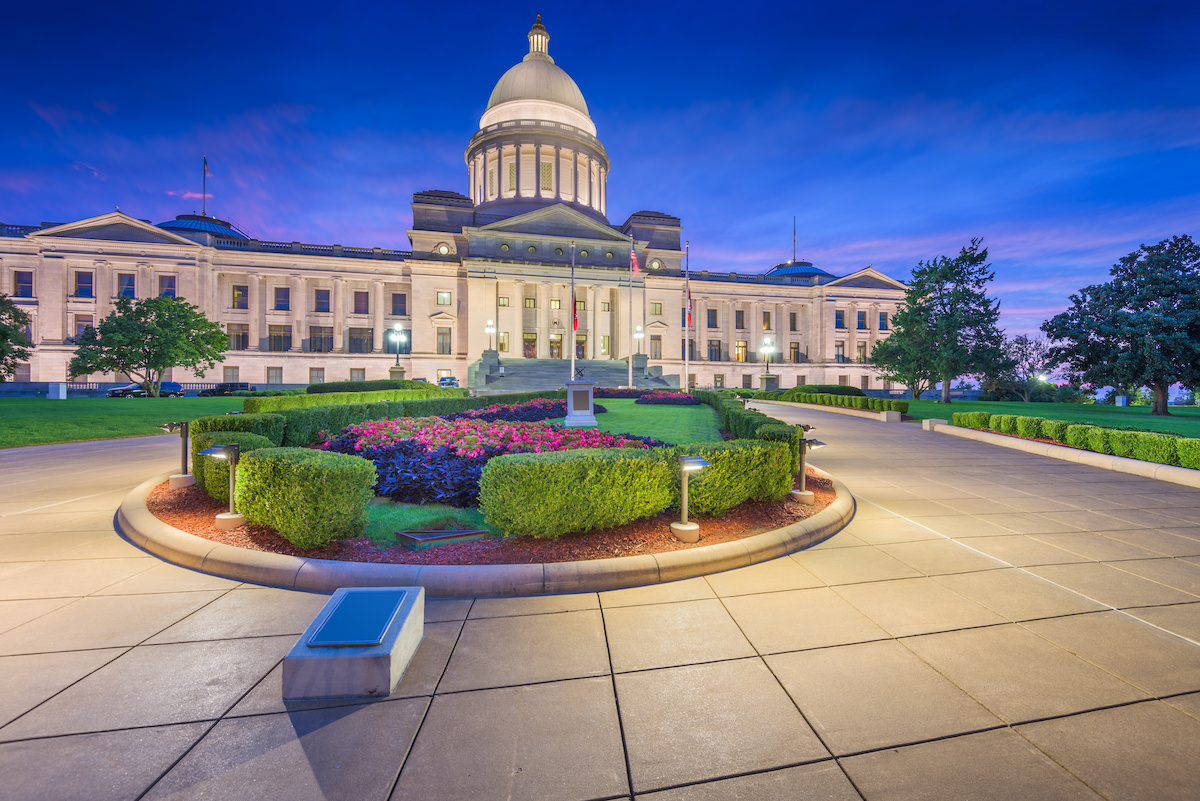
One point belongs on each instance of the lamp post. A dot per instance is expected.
(490, 330)
(766, 349)
(638, 335)
(184, 479)
(232, 518)
(683, 530)
(397, 336)
(804, 495)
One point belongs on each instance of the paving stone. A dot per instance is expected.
(1181, 619)
(822, 780)
(940, 556)
(247, 612)
(916, 606)
(771, 576)
(641, 637)
(1017, 594)
(853, 565)
(1109, 585)
(534, 605)
(693, 589)
(26, 681)
(800, 619)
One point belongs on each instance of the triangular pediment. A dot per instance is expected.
(657, 325)
(558, 220)
(115, 227)
(868, 278)
(442, 318)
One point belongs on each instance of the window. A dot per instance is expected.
(358, 374)
(491, 183)
(581, 346)
(739, 319)
(796, 356)
(239, 336)
(712, 317)
(83, 285)
(864, 382)
(529, 345)
(766, 321)
(655, 347)
(556, 346)
(229, 375)
(862, 353)
(241, 297)
(739, 350)
(719, 381)
(714, 350)
(555, 303)
(320, 339)
(444, 374)
(362, 302)
(82, 323)
(839, 352)
(691, 348)
(512, 175)
(443, 298)
(604, 343)
(861, 320)
(283, 298)
(502, 341)
(800, 380)
(401, 345)
(531, 303)
(502, 301)
(655, 308)
(274, 375)
(605, 306)
(547, 176)
(22, 284)
(843, 380)
(791, 321)
(321, 301)
(316, 375)
(443, 340)
(747, 381)
(399, 304)
(126, 285)
(279, 337)
(839, 319)
(883, 321)
(580, 305)
(359, 340)
(166, 286)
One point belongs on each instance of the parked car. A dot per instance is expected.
(167, 389)
(447, 381)
(224, 389)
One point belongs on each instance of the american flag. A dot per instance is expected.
(207, 171)
(633, 263)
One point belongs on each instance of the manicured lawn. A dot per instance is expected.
(1183, 421)
(39, 421)
(674, 424)
(384, 518)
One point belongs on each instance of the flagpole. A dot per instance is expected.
(632, 256)
(687, 329)
(572, 378)
(204, 189)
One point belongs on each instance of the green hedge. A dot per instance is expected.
(1077, 435)
(1098, 440)
(1122, 443)
(368, 386)
(1188, 450)
(781, 432)
(270, 426)
(826, 389)
(310, 497)
(1056, 429)
(550, 494)
(283, 402)
(1158, 448)
(739, 471)
(1029, 427)
(211, 473)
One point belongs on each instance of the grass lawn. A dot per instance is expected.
(384, 518)
(40, 421)
(674, 424)
(1183, 421)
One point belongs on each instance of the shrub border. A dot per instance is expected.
(143, 529)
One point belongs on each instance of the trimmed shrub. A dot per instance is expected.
(1122, 443)
(827, 389)
(367, 386)
(1157, 448)
(310, 497)
(285, 402)
(1188, 450)
(739, 471)
(980, 420)
(897, 406)
(1077, 435)
(780, 432)
(211, 473)
(550, 494)
(1055, 429)
(1097, 440)
(1029, 427)
(960, 419)
(994, 422)
(1008, 424)
(270, 426)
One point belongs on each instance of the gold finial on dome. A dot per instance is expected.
(539, 41)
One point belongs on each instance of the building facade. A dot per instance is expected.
(488, 270)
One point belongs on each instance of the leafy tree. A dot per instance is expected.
(147, 337)
(1141, 328)
(13, 342)
(1031, 360)
(947, 326)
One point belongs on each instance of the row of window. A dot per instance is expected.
(85, 285)
(320, 339)
(321, 300)
(839, 320)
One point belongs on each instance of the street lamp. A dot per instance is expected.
(184, 479)
(766, 349)
(638, 335)
(490, 329)
(804, 495)
(232, 518)
(683, 530)
(398, 337)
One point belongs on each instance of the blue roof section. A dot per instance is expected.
(796, 268)
(208, 225)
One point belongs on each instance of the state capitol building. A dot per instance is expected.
(489, 270)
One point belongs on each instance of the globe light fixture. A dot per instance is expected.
(398, 337)
(766, 349)
(490, 330)
(638, 335)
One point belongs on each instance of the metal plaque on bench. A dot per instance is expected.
(359, 618)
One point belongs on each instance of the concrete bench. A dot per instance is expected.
(358, 645)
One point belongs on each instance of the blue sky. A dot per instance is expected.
(1063, 133)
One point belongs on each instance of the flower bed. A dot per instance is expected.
(667, 397)
(528, 412)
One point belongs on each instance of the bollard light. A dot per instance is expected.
(806, 445)
(230, 452)
(182, 427)
(683, 530)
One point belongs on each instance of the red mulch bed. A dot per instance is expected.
(192, 510)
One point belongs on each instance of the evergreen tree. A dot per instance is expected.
(13, 341)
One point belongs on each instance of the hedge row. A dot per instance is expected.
(848, 401)
(310, 497)
(1147, 446)
(270, 426)
(550, 494)
(280, 403)
(367, 386)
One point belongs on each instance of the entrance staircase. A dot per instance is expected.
(492, 375)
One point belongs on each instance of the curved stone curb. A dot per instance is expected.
(1119, 464)
(879, 417)
(146, 531)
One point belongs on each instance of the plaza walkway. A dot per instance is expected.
(991, 625)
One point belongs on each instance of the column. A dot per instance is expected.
(338, 304)
(377, 317)
(517, 161)
(593, 332)
(297, 304)
(557, 171)
(486, 185)
(257, 314)
(603, 188)
(537, 170)
(543, 320)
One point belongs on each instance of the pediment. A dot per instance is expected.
(658, 325)
(442, 318)
(868, 278)
(115, 227)
(558, 220)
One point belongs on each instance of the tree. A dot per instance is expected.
(947, 326)
(146, 338)
(1031, 360)
(13, 340)
(1141, 328)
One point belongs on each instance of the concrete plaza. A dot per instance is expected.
(992, 624)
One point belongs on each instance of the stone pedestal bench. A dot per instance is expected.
(359, 644)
